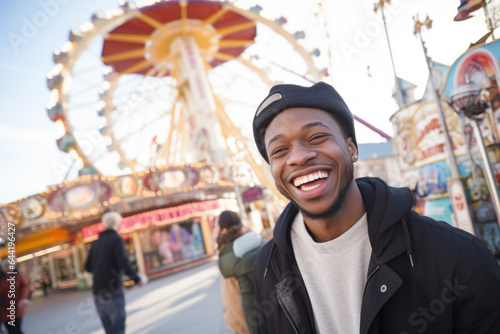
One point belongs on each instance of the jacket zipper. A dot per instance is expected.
(286, 313)
(369, 276)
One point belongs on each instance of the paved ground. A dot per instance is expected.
(187, 302)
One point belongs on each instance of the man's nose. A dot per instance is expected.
(300, 155)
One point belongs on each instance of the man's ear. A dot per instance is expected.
(353, 150)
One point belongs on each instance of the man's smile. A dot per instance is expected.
(309, 181)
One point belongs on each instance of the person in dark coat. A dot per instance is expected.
(238, 248)
(15, 292)
(107, 261)
(351, 256)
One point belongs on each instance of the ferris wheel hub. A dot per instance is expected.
(158, 47)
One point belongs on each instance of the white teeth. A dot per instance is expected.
(305, 188)
(298, 181)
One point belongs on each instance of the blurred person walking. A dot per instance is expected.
(46, 283)
(14, 293)
(238, 248)
(107, 261)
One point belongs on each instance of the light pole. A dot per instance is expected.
(489, 22)
(380, 5)
(466, 98)
(449, 147)
(232, 170)
(456, 189)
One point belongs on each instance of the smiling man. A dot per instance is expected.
(350, 256)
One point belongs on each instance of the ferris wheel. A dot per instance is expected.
(170, 82)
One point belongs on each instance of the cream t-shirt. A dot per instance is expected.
(334, 274)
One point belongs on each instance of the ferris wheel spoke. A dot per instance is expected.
(87, 69)
(153, 100)
(93, 160)
(126, 55)
(229, 77)
(289, 70)
(241, 149)
(141, 133)
(83, 105)
(149, 20)
(233, 43)
(94, 52)
(215, 16)
(87, 86)
(137, 85)
(131, 38)
(131, 133)
(140, 87)
(84, 91)
(229, 100)
(235, 28)
(166, 149)
(223, 56)
(137, 67)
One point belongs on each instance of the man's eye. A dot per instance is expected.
(278, 150)
(317, 137)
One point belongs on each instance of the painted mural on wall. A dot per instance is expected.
(419, 139)
(479, 65)
(431, 179)
(420, 145)
(172, 245)
(439, 209)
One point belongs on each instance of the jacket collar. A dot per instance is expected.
(227, 248)
(108, 232)
(385, 206)
(282, 229)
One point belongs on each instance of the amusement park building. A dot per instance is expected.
(423, 155)
(169, 217)
(378, 160)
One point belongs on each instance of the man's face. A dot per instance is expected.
(311, 161)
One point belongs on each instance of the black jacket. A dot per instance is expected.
(107, 260)
(424, 276)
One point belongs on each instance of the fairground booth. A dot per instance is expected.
(169, 216)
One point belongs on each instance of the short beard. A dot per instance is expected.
(335, 207)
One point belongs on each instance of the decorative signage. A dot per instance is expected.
(460, 207)
(31, 208)
(126, 186)
(252, 194)
(157, 218)
(89, 195)
(419, 138)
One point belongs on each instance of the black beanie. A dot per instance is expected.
(319, 96)
(228, 219)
